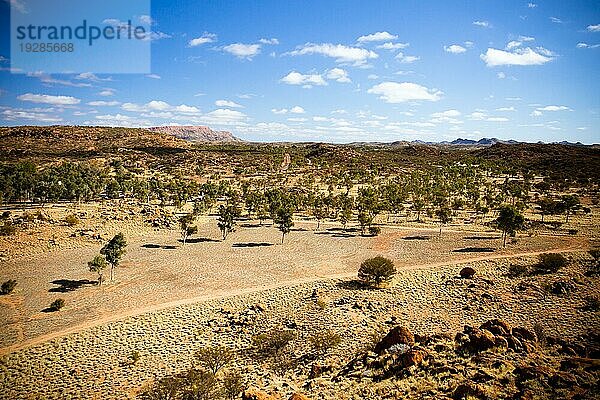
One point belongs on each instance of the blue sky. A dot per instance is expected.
(340, 71)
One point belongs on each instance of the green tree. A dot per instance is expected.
(113, 251)
(226, 219)
(187, 227)
(284, 221)
(98, 264)
(569, 204)
(376, 270)
(444, 215)
(509, 221)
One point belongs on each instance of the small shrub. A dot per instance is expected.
(198, 384)
(540, 333)
(516, 270)
(322, 303)
(8, 229)
(28, 217)
(71, 220)
(40, 216)
(8, 286)
(273, 342)
(376, 270)
(321, 342)
(214, 358)
(134, 357)
(560, 288)
(374, 230)
(551, 262)
(233, 384)
(572, 231)
(56, 305)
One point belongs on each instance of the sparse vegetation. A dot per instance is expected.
(273, 342)
(213, 358)
(550, 263)
(71, 220)
(321, 342)
(376, 270)
(56, 305)
(113, 251)
(98, 265)
(8, 286)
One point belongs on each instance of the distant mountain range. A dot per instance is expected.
(485, 142)
(196, 133)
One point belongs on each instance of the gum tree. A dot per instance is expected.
(113, 251)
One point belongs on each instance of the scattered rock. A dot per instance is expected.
(255, 394)
(398, 335)
(467, 390)
(467, 273)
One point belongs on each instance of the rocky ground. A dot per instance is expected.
(451, 356)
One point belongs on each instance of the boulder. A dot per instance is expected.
(467, 390)
(467, 273)
(298, 396)
(524, 334)
(412, 357)
(398, 335)
(476, 340)
(497, 327)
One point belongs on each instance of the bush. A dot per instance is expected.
(233, 384)
(551, 262)
(71, 220)
(214, 358)
(273, 342)
(134, 357)
(7, 229)
(374, 230)
(56, 305)
(376, 270)
(321, 342)
(8, 286)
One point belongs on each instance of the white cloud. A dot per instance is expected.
(296, 78)
(372, 76)
(18, 5)
(535, 113)
(587, 46)
(49, 99)
(511, 108)
(279, 111)
(241, 50)
(478, 116)
(297, 110)
(339, 75)
(159, 106)
(497, 119)
(120, 120)
(377, 37)
(448, 116)
(455, 49)
(531, 5)
(342, 54)
(501, 75)
(593, 28)
(11, 114)
(92, 77)
(49, 81)
(394, 92)
(227, 103)
(153, 76)
(483, 24)
(526, 56)
(107, 92)
(205, 38)
(224, 116)
(269, 41)
(556, 20)
(447, 113)
(406, 59)
(185, 109)
(103, 103)
(553, 108)
(392, 46)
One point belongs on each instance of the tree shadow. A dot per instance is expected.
(68, 285)
(252, 244)
(158, 246)
(417, 237)
(482, 237)
(336, 235)
(252, 225)
(49, 310)
(474, 250)
(353, 284)
(199, 240)
(299, 229)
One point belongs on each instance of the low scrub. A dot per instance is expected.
(321, 342)
(8, 286)
(550, 262)
(272, 343)
(214, 358)
(375, 271)
(56, 305)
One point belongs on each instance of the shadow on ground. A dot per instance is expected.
(68, 285)
(482, 237)
(252, 244)
(418, 237)
(474, 250)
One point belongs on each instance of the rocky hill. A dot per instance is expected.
(196, 133)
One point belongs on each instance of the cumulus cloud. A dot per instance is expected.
(483, 24)
(455, 49)
(394, 92)
(297, 110)
(593, 28)
(159, 106)
(12, 114)
(339, 75)
(240, 50)
(392, 46)
(587, 46)
(107, 92)
(269, 41)
(377, 37)
(553, 108)
(404, 59)
(531, 5)
(342, 54)
(227, 103)
(526, 56)
(556, 20)
(205, 38)
(49, 99)
(308, 80)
